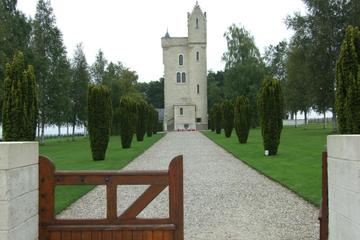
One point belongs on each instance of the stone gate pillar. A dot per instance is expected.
(19, 190)
(344, 187)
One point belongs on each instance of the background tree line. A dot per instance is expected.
(62, 83)
(305, 66)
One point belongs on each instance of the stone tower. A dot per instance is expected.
(185, 74)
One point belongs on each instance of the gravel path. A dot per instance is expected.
(224, 198)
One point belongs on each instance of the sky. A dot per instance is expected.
(130, 31)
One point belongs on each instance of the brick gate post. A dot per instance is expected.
(19, 190)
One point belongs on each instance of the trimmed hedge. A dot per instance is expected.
(20, 105)
(128, 120)
(99, 119)
(217, 116)
(228, 117)
(348, 83)
(142, 118)
(270, 105)
(242, 118)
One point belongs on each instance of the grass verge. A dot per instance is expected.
(297, 165)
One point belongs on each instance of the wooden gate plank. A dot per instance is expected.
(117, 235)
(158, 235)
(147, 235)
(137, 235)
(107, 235)
(76, 235)
(66, 235)
(86, 236)
(127, 235)
(96, 235)
(168, 235)
(55, 236)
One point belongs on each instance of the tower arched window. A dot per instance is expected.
(197, 56)
(181, 111)
(197, 23)
(183, 77)
(178, 77)
(181, 60)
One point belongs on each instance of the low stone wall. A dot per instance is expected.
(19, 190)
(344, 187)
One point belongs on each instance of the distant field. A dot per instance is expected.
(298, 163)
(68, 155)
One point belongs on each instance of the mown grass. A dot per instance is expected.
(298, 163)
(69, 155)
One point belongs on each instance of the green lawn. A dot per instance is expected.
(68, 155)
(298, 163)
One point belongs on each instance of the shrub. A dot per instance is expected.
(155, 122)
(217, 115)
(348, 83)
(270, 105)
(150, 121)
(142, 117)
(242, 118)
(127, 120)
(20, 106)
(212, 120)
(228, 117)
(99, 119)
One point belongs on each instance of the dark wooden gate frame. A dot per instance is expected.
(324, 206)
(173, 226)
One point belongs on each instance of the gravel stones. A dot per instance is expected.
(223, 197)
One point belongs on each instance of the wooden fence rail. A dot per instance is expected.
(127, 226)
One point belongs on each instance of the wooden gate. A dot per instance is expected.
(324, 207)
(127, 226)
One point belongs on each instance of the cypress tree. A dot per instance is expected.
(142, 116)
(20, 101)
(270, 105)
(348, 83)
(99, 119)
(242, 118)
(155, 122)
(212, 120)
(228, 117)
(217, 117)
(127, 120)
(150, 121)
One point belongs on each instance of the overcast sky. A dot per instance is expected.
(130, 31)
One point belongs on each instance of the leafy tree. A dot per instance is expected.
(51, 65)
(348, 83)
(217, 115)
(215, 87)
(276, 58)
(98, 68)
(15, 33)
(79, 85)
(242, 118)
(241, 47)
(20, 101)
(127, 120)
(99, 119)
(142, 120)
(271, 111)
(228, 117)
(299, 96)
(212, 119)
(153, 92)
(244, 67)
(150, 121)
(325, 24)
(155, 122)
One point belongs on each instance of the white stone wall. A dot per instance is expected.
(188, 117)
(344, 187)
(19, 190)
